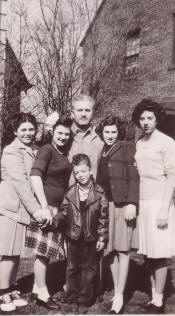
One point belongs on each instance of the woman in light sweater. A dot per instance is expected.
(155, 158)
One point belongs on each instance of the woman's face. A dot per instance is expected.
(110, 134)
(148, 122)
(26, 133)
(61, 135)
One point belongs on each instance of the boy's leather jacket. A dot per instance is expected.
(93, 220)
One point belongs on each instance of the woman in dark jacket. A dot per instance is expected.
(119, 178)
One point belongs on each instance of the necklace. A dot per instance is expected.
(105, 153)
(59, 151)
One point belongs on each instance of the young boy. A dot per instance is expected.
(85, 212)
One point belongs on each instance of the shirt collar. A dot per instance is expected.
(84, 192)
(76, 129)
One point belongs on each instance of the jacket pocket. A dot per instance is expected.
(9, 199)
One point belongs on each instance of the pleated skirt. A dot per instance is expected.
(12, 237)
(123, 235)
(155, 242)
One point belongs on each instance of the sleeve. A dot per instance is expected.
(168, 152)
(14, 164)
(63, 212)
(132, 174)
(42, 160)
(103, 222)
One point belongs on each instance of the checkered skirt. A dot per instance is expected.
(43, 242)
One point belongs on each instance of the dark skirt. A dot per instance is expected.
(44, 242)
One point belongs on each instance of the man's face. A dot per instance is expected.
(82, 112)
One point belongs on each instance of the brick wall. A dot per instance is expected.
(104, 49)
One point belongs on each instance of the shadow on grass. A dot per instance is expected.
(55, 278)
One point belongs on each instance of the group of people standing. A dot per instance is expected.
(92, 191)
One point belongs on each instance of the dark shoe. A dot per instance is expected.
(74, 308)
(83, 309)
(153, 309)
(50, 304)
(33, 297)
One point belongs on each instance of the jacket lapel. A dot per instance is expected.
(73, 196)
(115, 148)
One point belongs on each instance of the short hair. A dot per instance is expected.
(64, 121)
(148, 105)
(83, 97)
(18, 118)
(79, 159)
(111, 120)
(12, 123)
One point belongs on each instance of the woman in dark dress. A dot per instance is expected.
(50, 177)
(119, 179)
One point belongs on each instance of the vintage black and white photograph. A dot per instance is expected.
(87, 157)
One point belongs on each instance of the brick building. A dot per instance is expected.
(129, 54)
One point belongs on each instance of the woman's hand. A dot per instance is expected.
(162, 219)
(38, 216)
(130, 212)
(100, 245)
(47, 216)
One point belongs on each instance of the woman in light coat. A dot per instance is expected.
(17, 205)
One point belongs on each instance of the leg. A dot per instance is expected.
(40, 269)
(151, 271)
(89, 272)
(114, 266)
(73, 273)
(8, 271)
(160, 275)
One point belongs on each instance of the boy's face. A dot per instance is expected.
(82, 174)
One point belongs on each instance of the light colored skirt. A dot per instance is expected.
(123, 235)
(154, 242)
(12, 237)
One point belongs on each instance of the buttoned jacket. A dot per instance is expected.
(123, 175)
(17, 199)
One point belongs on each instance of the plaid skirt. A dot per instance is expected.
(43, 242)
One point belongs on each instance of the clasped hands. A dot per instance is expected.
(43, 216)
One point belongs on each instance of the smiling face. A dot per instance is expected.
(26, 133)
(148, 122)
(82, 113)
(110, 134)
(61, 136)
(82, 173)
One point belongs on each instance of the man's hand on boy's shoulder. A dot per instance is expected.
(100, 245)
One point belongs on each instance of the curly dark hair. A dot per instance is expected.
(13, 123)
(81, 158)
(151, 106)
(64, 121)
(111, 120)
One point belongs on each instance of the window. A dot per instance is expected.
(132, 54)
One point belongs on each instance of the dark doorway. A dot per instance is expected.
(168, 126)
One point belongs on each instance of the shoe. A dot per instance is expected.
(74, 308)
(6, 304)
(117, 307)
(49, 304)
(17, 300)
(83, 309)
(33, 297)
(153, 309)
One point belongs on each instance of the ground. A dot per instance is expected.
(136, 296)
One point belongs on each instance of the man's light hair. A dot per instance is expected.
(83, 97)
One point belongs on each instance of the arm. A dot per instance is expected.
(169, 169)
(132, 175)
(103, 222)
(39, 190)
(13, 162)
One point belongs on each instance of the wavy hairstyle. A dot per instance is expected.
(111, 120)
(151, 106)
(13, 123)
